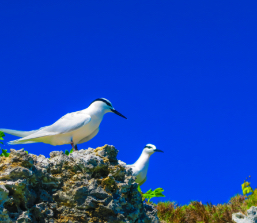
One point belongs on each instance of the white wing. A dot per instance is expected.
(67, 123)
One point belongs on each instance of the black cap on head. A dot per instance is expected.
(103, 100)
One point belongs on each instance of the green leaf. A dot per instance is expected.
(67, 152)
(245, 184)
(150, 191)
(4, 153)
(71, 151)
(26, 151)
(151, 194)
(139, 189)
(247, 190)
(148, 196)
(159, 195)
(2, 134)
(159, 190)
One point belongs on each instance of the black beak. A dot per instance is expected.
(117, 113)
(158, 150)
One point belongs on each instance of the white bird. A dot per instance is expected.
(140, 167)
(73, 128)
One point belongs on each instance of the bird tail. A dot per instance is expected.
(14, 142)
(18, 133)
(33, 138)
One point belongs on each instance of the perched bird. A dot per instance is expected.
(140, 167)
(73, 128)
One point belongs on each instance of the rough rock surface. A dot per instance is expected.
(86, 186)
(251, 216)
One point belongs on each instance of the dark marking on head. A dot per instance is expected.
(149, 147)
(103, 100)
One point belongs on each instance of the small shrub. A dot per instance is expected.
(67, 152)
(1, 137)
(151, 194)
(196, 212)
(4, 151)
(251, 199)
(249, 193)
(246, 188)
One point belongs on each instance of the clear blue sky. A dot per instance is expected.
(182, 72)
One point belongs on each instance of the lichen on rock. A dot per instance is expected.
(251, 216)
(86, 186)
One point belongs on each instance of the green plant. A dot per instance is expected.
(4, 151)
(151, 193)
(246, 188)
(249, 193)
(251, 199)
(67, 152)
(195, 211)
(1, 137)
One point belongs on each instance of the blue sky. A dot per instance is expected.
(182, 72)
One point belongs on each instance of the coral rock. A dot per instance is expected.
(86, 186)
(251, 216)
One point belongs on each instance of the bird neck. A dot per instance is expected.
(95, 112)
(143, 161)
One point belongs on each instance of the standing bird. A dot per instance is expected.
(73, 128)
(140, 167)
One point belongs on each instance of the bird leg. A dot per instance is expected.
(72, 144)
(76, 147)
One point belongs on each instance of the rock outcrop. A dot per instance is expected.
(251, 216)
(86, 186)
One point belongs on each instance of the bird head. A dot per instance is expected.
(151, 149)
(106, 106)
